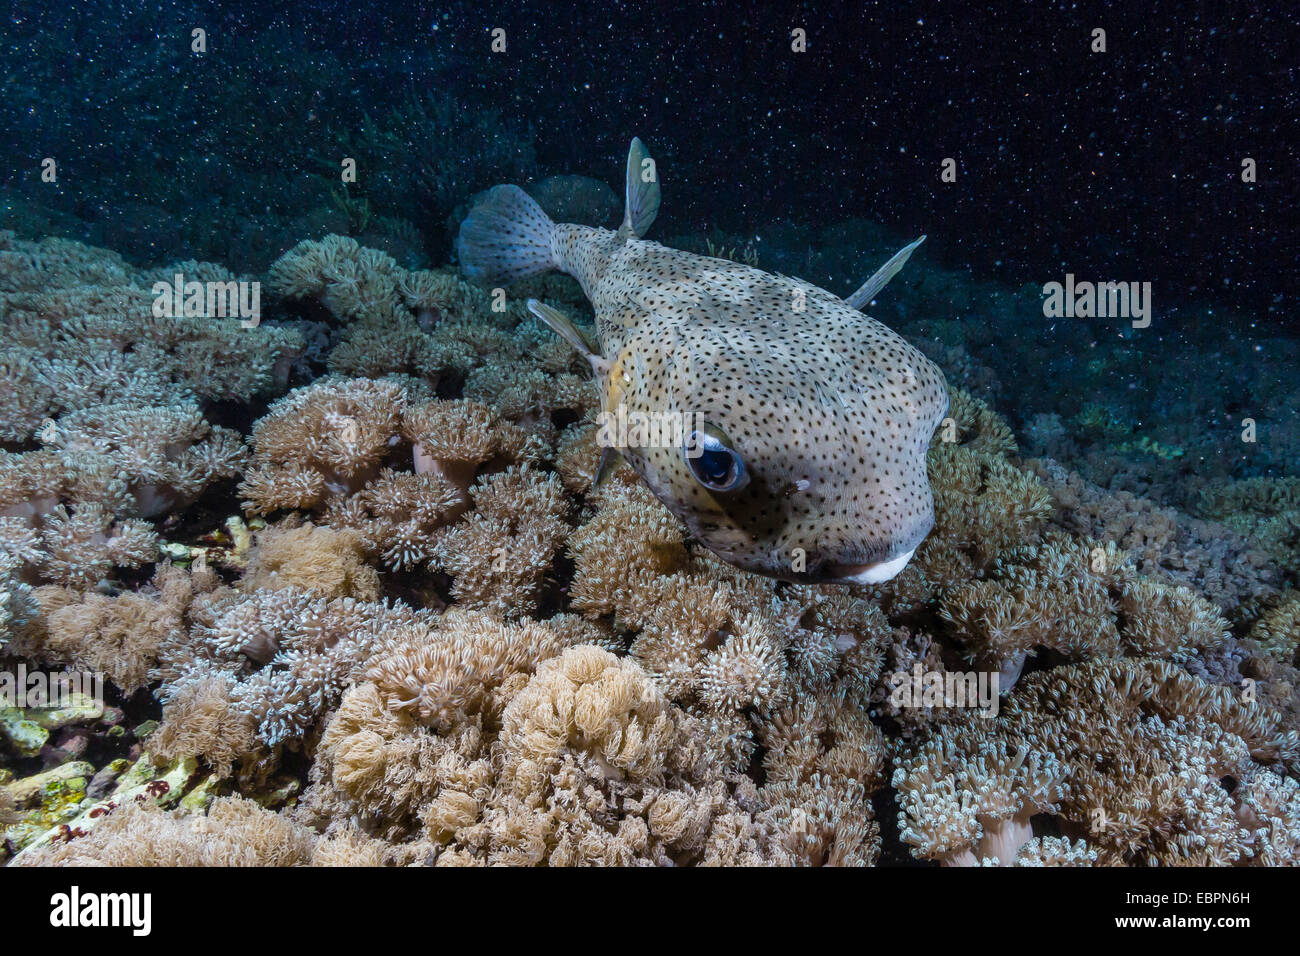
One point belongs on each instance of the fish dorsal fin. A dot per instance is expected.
(862, 298)
(561, 325)
(642, 191)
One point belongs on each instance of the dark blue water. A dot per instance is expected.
(1123, 164)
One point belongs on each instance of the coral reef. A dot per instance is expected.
(81, 331)
(431, 638)
(1180, 782)
(234, 832)
(1232, 570)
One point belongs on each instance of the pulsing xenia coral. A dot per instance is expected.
(1080, 600)
(234, 832)
(16, 607)
(120, 636)
(729, 647)
(1278, 629)
(119, 398)
(1223, 566)
(1184, 761)
(80, 331)
(168, 455)
(500, 554)
(322, 441)
(364, 458)
(72, 510)
(288, 653)
(441, 329)
(1267, 509)
(441, 641)
(319, 559)
(327, 448)
(77, 547)
(542, 754)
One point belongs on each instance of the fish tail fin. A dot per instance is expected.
(642, 191)
(505, 237)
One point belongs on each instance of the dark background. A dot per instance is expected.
(1124, 165)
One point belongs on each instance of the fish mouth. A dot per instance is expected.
(870, 573)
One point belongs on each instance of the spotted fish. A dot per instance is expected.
(806, 426)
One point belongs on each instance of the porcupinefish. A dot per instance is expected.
(808, 423)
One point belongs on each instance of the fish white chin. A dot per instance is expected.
(874, 573)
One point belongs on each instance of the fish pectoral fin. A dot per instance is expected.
(862, 298)
(610, 459)
(642, 192)
(563, 326)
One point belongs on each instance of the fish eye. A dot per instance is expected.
(712, 460)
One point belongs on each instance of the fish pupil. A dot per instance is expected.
(716, 465)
